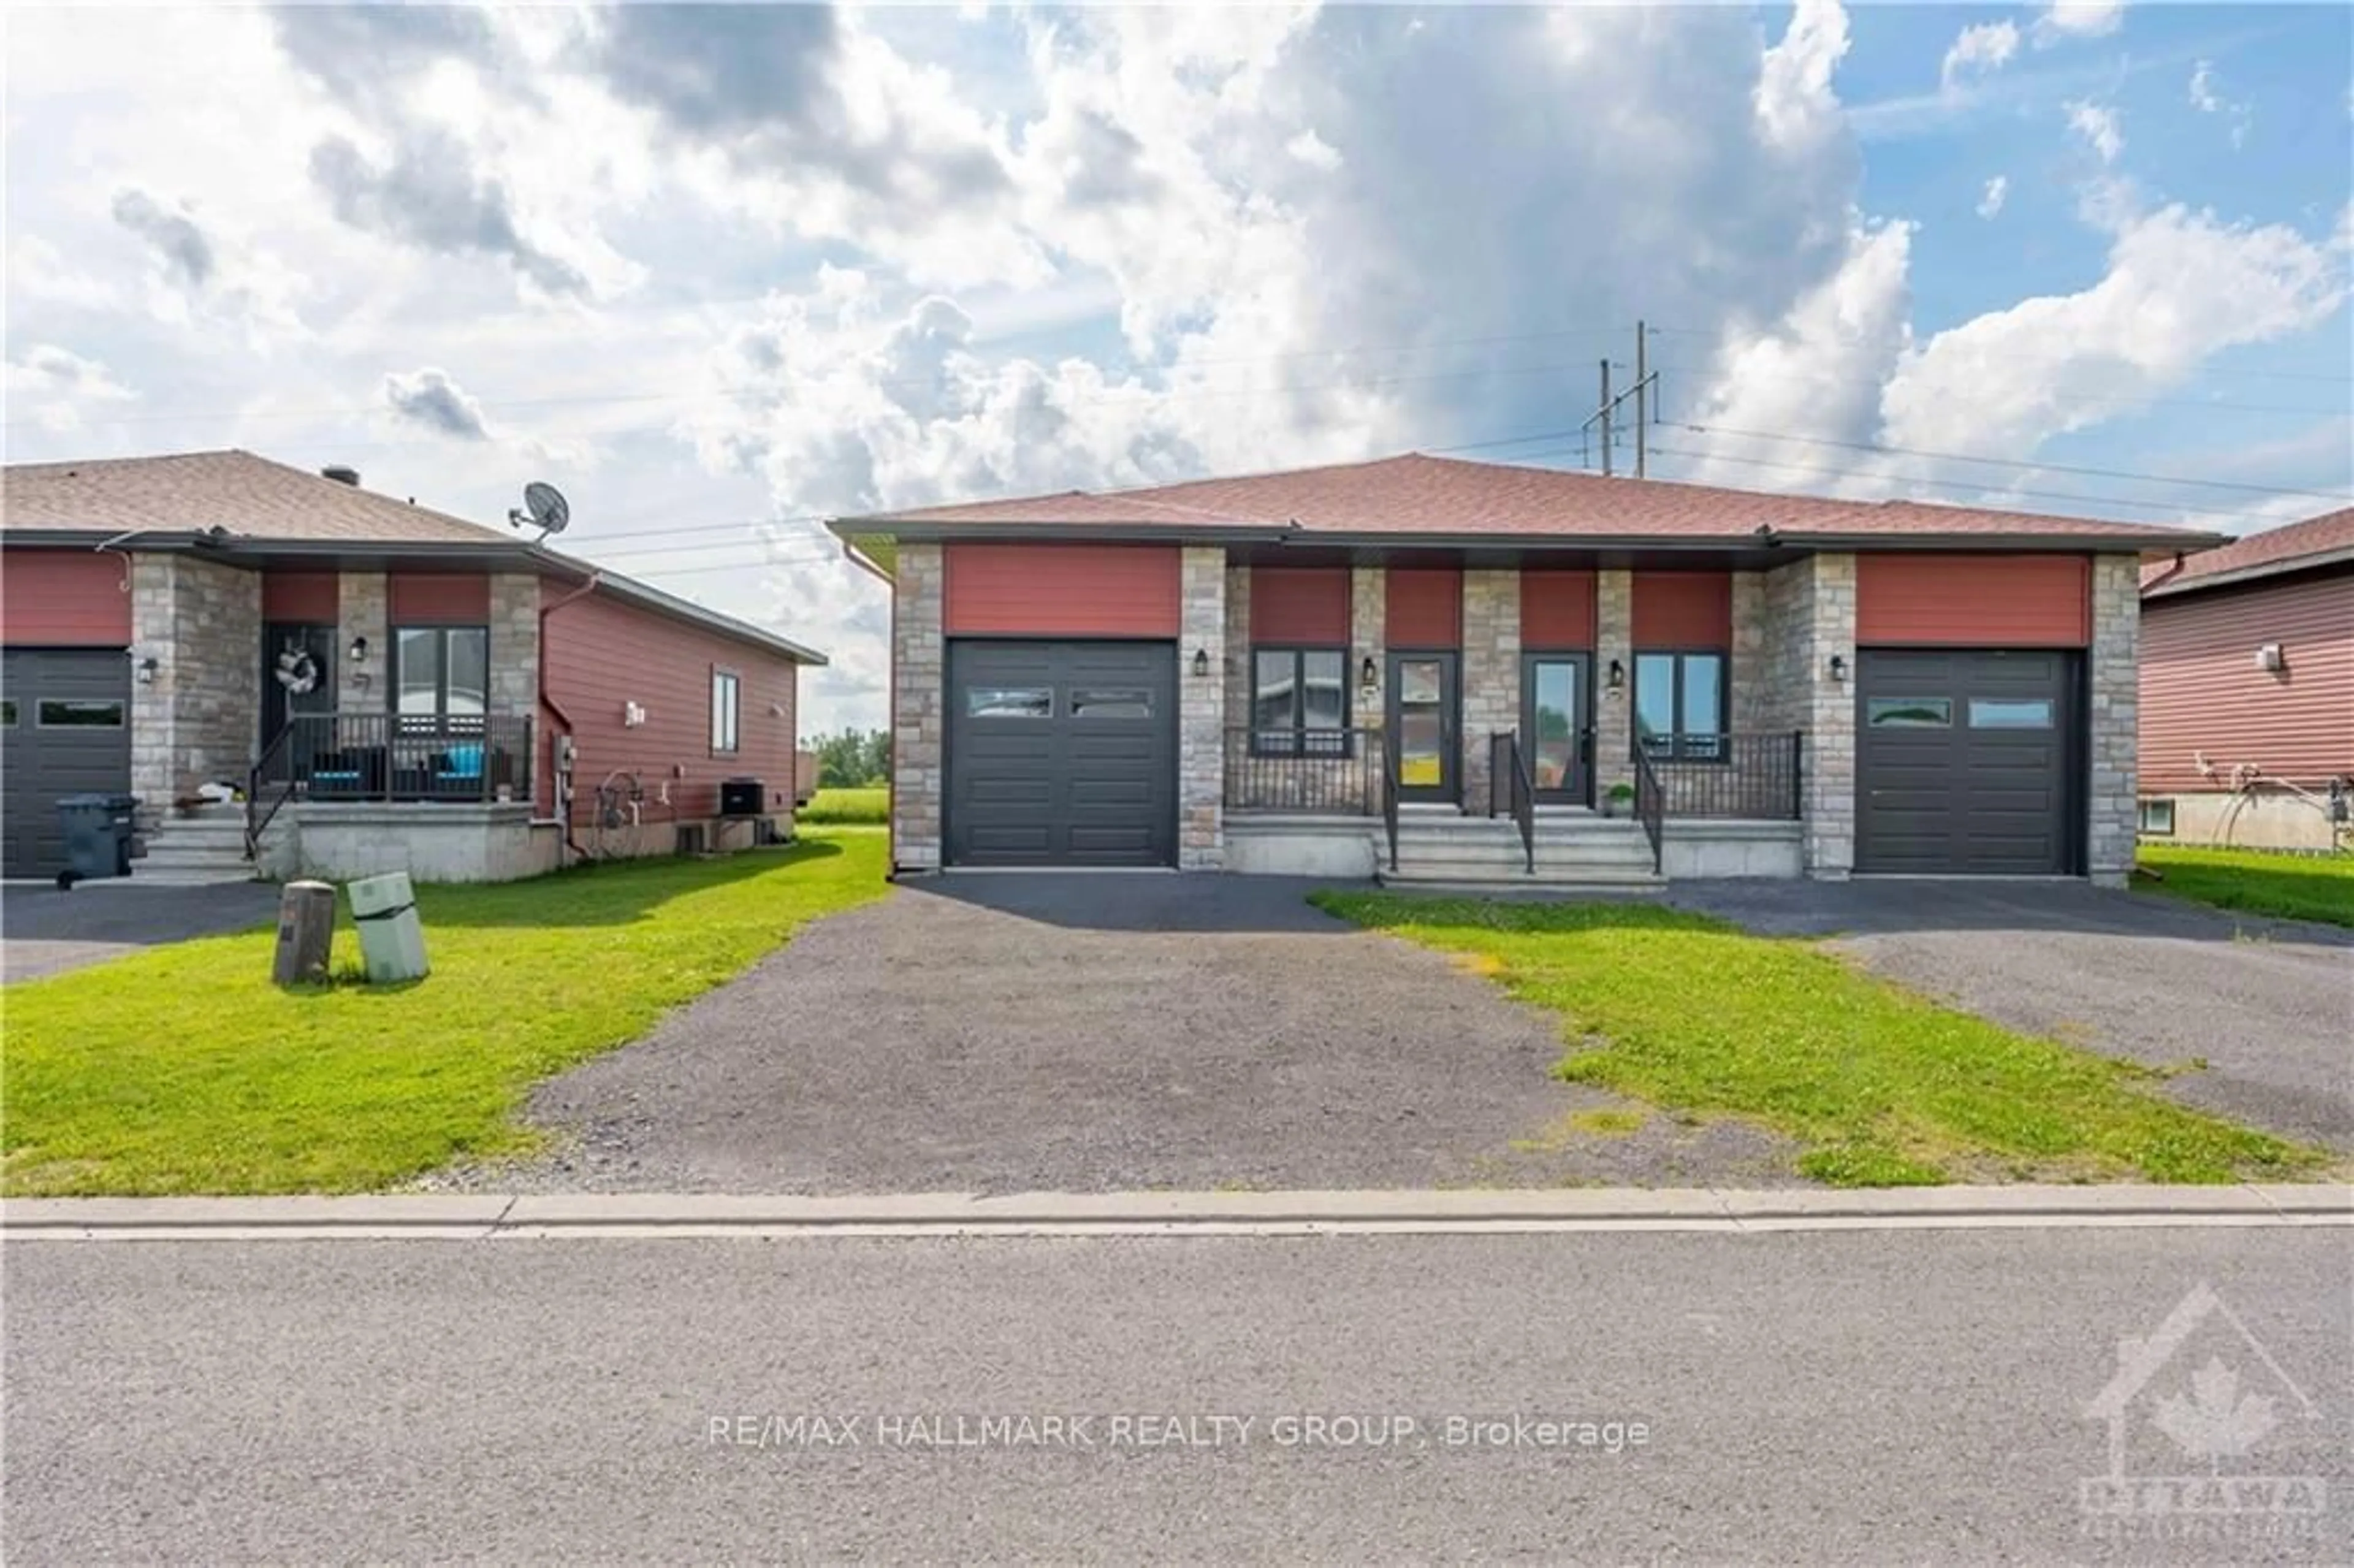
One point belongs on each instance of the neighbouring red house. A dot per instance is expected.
(2247, 690)
(390, 687)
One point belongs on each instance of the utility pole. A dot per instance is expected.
(1605, 414)
(1647, 382)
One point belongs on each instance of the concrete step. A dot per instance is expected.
(149, 877)
(179, 855)
(1442, 879)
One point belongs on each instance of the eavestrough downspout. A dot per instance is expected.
(552, 705)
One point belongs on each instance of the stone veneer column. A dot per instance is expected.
(1829, 716)
(919, 705)
(1751, 707)
(514, 644)
(1614, 724)
(1237, 664)
(2112, 806)
(1369, 588)
(1491, 672)
(1202, 711)
(362, 609)
(195, 722)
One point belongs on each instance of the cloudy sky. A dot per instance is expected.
(719, 272)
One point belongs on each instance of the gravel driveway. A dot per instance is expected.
(2268, 1004)
(1082, 1033)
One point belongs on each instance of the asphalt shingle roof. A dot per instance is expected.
(250, 496)
(1419, 495)
(2277, 549)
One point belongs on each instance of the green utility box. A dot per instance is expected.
(392, 941)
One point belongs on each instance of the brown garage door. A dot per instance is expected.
(1967, 761)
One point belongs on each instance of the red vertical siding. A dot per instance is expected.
(439, 598)
(603, 654)
(2203, 692)
(1424, 607)
(1299, 604)
(1062, 590)
(312, 596)
(1683, 609)
(1556, 609)
(1974, 601)
(64, 599)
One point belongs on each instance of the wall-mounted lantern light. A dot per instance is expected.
(1201, 664)
(146, 669)
(1618, 674)
(358, 651)
(1367, 676)
(1838, 666)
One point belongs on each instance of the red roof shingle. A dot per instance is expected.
(1449, 497)
(2274, 549)
(248, 496)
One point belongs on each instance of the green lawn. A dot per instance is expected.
(864, 806)
(182, 1070)
(2293, 886)
(1883, 1088)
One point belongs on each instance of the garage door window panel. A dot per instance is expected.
(1299, 702)
(1009, 702)
(1909, 712)
(2010, 713)
(1680, 699)
(1111, 703)
(76, 713)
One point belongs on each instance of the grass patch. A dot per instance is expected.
(182, 1070)
(1608, 1123)
(1883, 1088)
(869, 807)
(2288, 887)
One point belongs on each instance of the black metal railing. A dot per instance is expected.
(1325, 772)
(388, 756)
(1513, 789)
(1650, 806)
(1390, 811)
(1754, 777)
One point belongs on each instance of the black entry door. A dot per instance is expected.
(294, 653)
(1425, 726)
(1553, 697)
(1062, 754)
(1967, 761)
(64, 729)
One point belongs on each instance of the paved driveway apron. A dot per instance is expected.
(1078, 1033)
(2267, 1004)
(49, 932)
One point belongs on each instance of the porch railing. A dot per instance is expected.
(1324, 772)
(1650, 806)
(388, 756)
(1754, 777)
(1513, 789)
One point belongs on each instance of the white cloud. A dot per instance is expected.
(1977, 51)
(2097, 125)
(57, 388)
(1313, 151)
(1997, 192)
(2078, 19)
(2206, 100)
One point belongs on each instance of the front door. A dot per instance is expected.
(1553, 695)
(1423, 725)
(297, 673)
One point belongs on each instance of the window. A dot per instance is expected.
(1680, 705)
(1299, 700)
(1009, 702)
(440, 671)
(7, 713)
(2010, 713)
(1111, 703)
(727, 699)
(2157, 818)
(76, 712)
(1909, 712)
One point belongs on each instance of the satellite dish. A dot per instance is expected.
(543, 508)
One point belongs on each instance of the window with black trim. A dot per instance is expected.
(78, 713)
(7, 713)
(727, 706)
(439, 672)
(1299, 700)
(1680, 704)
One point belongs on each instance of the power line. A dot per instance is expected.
(2010, 463)
(2098, 398)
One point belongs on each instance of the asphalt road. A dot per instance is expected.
(1852, 1396)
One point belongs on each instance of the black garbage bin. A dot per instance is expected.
(98, 836)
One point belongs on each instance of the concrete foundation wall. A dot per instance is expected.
(1693, 848)
(1344, 851)
(436, 843)
(2259, 819)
